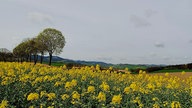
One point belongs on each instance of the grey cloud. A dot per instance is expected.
(166, 58)
(105, 58)
(123, 59)
(190, 41)
(159, 45)
(186, 57)
(152, 54)
(150, 12)
(38, 17)
(139, 21)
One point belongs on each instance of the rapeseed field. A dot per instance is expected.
(24, 85)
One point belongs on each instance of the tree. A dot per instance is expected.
(26, 49)
(5, 55)
(20, 51)
(53, 41)
(33, 48)
(41, 44)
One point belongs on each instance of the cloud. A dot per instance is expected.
(166, 58)
(139, 21)
(105, 58)
(190, 41)
(153, 54)
(123, 59)
(159, 45)
(38, 17)
(150, 12)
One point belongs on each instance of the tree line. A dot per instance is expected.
(49, 41)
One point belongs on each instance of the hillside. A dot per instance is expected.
(57, 59)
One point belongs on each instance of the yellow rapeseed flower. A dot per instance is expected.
(134, 86)
(75, 95)
(91, 89)
(68, 85)
(183, 73)
(98, 67)
(116, 99)
(51, 96)
(101, 97)
(175, 104)
(156, 105)
(33, 96)
(151, 86)
(64, 96)
(165, 103)
(104, 86)
(43, 93)
(155, 99)
(127, 90)
(166, 74)
(74, 82)
(58, 83)
(4, 104)
(91, 82)
(84, 78)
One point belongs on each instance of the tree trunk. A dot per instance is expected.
(35, 59)
(27, 58)
(42, 55)
(50, 58)
(30, 57)
(4, 59)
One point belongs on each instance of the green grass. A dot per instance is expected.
(55, 63)
(172, 70)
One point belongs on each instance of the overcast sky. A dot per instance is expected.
(113, 31)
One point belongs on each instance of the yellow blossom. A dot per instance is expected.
(134, 86)
(33, 96)
(64, 96)
(91, 82)
(31, 107)
(165, 103)
(116, 99)
(75, 95)
(4, 104)
(104, 86)
(91, 89)
(101, 97)
(98, 67)
(166, 74)
(127, 90)
(51, 96)
(74, 82)
(156, 105)
(57, 83)
(68, 85)
(155, 99)
(183, 73)
(43, 93)
(83, 78)
(175, 104)
(151, 86)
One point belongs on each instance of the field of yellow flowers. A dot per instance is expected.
(24, 85)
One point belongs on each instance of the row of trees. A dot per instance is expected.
(48, 41)
(6, 56)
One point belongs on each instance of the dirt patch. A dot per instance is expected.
(178, 74)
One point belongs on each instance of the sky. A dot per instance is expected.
(112, 31)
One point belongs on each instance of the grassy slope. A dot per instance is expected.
(172, 70)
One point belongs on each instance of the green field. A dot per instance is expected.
(172, 70)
